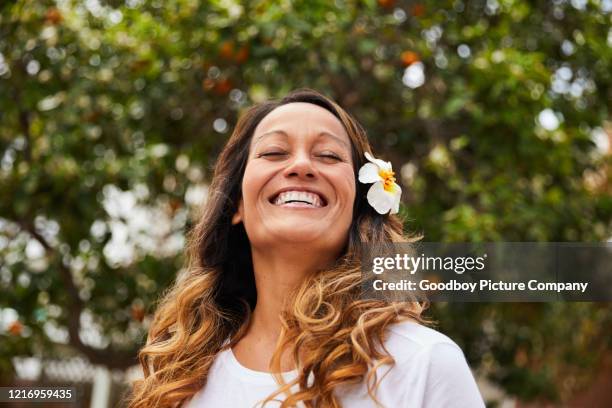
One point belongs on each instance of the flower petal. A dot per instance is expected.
(368, 173)
(396, 199)
(379, 198)
(380, 163)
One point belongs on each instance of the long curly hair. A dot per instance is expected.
(334, 333)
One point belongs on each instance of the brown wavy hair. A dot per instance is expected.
(334, 333)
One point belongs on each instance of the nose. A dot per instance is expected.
(301, 167)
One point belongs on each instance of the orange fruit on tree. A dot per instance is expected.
(137, 312)
(15, 328)
(53, 16)
(386, 3)
(223, 87)
(226, 50)
(418, 10)
(242, 55)
(409, 58)
(175, 205)
(140, 65)
(208, 84)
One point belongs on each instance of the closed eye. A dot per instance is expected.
(330, 157)
(271, 154)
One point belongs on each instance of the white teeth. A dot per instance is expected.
(299, 196)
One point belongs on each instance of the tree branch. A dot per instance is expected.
(24, 121)
(113, 359)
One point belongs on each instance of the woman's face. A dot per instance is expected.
(299, 183)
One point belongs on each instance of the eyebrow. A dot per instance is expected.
(282, 132)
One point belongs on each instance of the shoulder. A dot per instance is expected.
(432, 366)
(409, 339)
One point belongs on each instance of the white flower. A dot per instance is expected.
(385, 194)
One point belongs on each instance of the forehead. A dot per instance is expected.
(300, 119)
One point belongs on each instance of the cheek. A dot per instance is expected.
(345, 183)
(255, 178)
(250, 185)
(345, 188)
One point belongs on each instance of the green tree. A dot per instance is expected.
(112, 113)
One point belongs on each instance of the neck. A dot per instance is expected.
(277, 273)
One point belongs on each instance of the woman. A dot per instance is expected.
(270, 310)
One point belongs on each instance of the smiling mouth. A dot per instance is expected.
(298, 199)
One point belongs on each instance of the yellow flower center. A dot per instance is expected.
(388, 177)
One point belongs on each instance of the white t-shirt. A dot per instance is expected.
(430, 371)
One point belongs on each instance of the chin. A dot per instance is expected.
(296, 234)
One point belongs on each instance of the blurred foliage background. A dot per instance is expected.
(496, 114)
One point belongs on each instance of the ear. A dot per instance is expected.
(237, 217)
